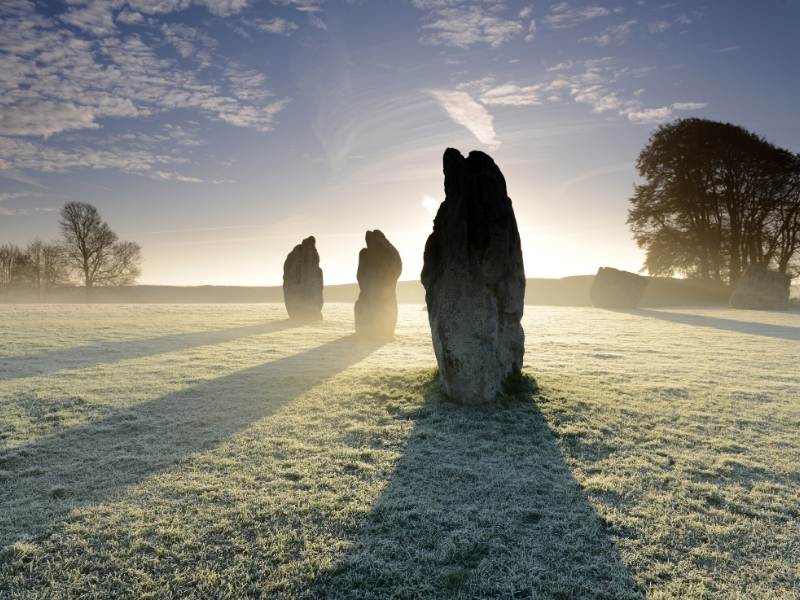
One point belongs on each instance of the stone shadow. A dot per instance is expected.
(783, 332)
(81, 357)
(47, 478)
(481, 505)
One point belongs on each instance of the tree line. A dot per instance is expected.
(715, 199)
(89, 253)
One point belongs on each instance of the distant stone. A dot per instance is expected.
(302, 282)
(379, 268)
(613, 288)
(761, 289)
(475, 281)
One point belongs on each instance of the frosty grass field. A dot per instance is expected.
(218, 451)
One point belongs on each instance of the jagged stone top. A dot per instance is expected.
(477, 168)
(475, 222)
(310, 243)
(374, 238)
(306, 248)
(379, 254)
(377, 241)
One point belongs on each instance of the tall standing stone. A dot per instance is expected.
(613, 288)
(761, 289)
(475, 281)
(379, 268)
(302, 282)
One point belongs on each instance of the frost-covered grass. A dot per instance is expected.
(220, 451)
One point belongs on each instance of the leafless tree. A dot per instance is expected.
(13, 266)
(47, 264)
(93, 249)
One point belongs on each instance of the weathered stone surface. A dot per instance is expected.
(475, 281)
(761, 289)
(379, 268)
(302, 282)
(613, 288)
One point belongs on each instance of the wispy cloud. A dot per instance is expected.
(74, 71)
(189, 42)
(562, 15)
(7, 211)
(597, 85)
(97, 16)
(689, 18)
(508, 94)
(464, 23)
(659, 26)
(531, 35)
(42, 117)
(130, 17)
(649, 115)
(562, 66)
(117, 76)
(92, 17)
(662, 113)
(464, 110)
(311, 8)
(681, 20)
(616, 34)
(277, 25)
(689, 105)
(29, 155)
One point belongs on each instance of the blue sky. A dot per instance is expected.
(218, 133)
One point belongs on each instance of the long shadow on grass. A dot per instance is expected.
(42, 481)
(783, 332)
(81, 357)
(481, 505)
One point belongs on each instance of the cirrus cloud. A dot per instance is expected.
(464, 110)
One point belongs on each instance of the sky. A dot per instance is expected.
(219, 133)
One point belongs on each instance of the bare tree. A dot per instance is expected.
(47, 264)
(93, 249)
(13, 266)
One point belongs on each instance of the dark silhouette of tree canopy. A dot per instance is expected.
(715, 199)
(93, 249)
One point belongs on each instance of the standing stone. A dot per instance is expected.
(613, 288)
(761, 289)
(302, 282)
(475, 281)
(379, 268)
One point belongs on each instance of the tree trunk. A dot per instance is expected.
(87, 283)
(736, 258)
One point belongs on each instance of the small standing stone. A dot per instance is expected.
(761, 289)
(302, 282)
(379, 268)
(613, 288)
(474, 281)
